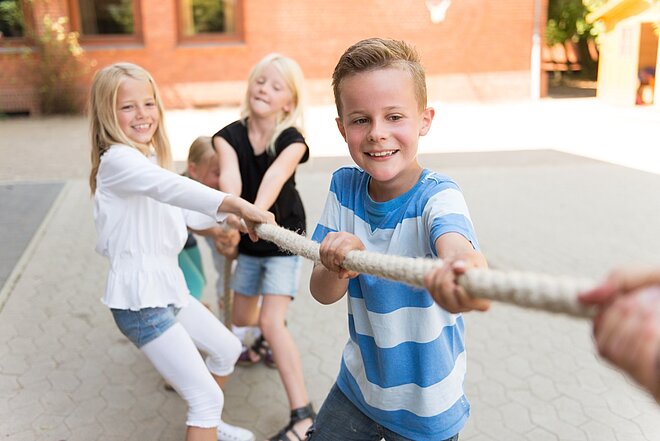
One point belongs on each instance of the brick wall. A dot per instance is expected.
(481, 50)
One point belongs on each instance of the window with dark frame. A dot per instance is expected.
(12, 19)
(209, 18)
(105, 18)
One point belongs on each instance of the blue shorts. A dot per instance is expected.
(278, 275)
(143, 326)
(341, 420)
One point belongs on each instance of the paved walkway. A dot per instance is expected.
(66, 373)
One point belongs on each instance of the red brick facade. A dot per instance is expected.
(480, 51)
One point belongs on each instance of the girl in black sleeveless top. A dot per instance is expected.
(258, 158)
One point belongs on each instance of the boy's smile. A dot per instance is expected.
(381, 122)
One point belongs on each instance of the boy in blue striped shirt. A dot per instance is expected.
(402, 370)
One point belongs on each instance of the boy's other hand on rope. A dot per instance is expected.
(333, 251)
(445, 290)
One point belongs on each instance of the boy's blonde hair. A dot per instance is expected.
(379, 53)
(104, 126)
(201, 150)
(294, 79)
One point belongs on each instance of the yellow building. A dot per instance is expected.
(628, 51)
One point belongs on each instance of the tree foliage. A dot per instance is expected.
(567, 21)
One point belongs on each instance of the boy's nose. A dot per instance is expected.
(376, 132)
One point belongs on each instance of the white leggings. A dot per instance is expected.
(175, 354)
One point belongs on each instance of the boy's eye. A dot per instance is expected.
(395, 117)
(360, 121)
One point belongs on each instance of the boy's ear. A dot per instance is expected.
(427, 119)
(340, 126)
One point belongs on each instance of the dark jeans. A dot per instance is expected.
(340, 420)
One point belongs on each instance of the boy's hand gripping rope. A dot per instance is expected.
(537, 291)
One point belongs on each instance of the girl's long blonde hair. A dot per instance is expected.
(103, 123)
(294, 79)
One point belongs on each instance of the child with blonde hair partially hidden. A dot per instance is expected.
(204, 166)
(141, 210)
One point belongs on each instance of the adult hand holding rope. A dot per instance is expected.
(627, 326)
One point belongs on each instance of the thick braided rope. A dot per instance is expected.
(530, 290)
(228, 297)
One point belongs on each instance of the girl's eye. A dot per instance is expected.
(360, 121)
(395, 117)
(127, 107)
(151, 104)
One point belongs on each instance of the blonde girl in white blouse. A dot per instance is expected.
(141, 210)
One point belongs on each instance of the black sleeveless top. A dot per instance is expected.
(288, 208)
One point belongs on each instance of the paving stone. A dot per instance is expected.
(12, 364)
(62, 380)
(570, 411)
(22, 415)
(50, 426)
(542, 435)
(85, 413)
(89, 432)
(516, 417)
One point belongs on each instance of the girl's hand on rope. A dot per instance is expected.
(333, 251)
(443, 286)
(250, 214)
(627, 333)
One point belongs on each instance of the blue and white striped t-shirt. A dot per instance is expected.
(405, 361)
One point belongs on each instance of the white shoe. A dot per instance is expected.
(227, 432)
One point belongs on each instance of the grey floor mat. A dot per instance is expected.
(22, 209)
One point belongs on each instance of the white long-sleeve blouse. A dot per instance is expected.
(140, 211)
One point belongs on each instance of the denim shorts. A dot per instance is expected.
(143, 326)
(279, 275)
(341, 420)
